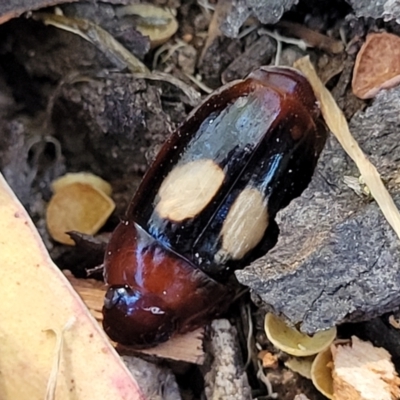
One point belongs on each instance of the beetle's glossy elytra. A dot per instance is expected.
(208, 203)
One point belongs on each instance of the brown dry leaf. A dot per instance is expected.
(377, 65)
(187, 347)
(77, 207)
(363, 372)
(37, 301)
(337, 123)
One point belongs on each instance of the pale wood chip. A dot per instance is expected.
(363, 372)
(187, 347)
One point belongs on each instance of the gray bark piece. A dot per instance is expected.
(386, 9)
(266, 11)
(156, 383)
(337, 259)
(226, 379)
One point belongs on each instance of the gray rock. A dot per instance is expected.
(270, 11)
(266, 11)
(337, 259)
(386, 9)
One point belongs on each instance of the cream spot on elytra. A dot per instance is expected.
(188, 189)
(244, 225)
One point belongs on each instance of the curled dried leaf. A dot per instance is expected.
(155, 22)
(77, 207)
(321, 373)
(82, 177)
(292, 341)
(377, 65)
(300, 365)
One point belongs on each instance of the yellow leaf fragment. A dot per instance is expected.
(294, 342)
(37, 301)
(301, 365)
(338, 125)
(77, 207)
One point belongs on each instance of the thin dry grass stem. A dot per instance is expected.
(158, 53)
(205, 4)
(300, 43)
(337, 123)
(168, 48)
(249, 337)
(264, 379)
(282, 39)
(278, 53)
(94, 270)
(247, 31)
(200, 84)
(192, 95)
(112, 49)
(52, 382)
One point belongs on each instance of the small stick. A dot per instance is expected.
(312, 38)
